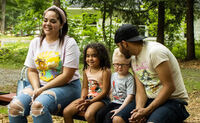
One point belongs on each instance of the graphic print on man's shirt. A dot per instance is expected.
(152, 84)
(94, 88)
(49, 65)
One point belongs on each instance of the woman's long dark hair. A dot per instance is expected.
(62, 32)
(102, 55)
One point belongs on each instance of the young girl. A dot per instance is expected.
(96, 84)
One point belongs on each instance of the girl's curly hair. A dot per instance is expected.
(102, 55)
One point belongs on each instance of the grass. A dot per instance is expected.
(3, 110)
(7, 37)
(191, 79)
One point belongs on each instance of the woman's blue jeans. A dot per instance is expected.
(51, 104)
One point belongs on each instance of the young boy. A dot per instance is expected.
(122, 88)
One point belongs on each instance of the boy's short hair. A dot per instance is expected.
(118, 57)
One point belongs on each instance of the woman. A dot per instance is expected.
(52, 60)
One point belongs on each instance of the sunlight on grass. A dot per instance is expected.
(79, 121)
(6, 37)
(3, 110)
(191, 79)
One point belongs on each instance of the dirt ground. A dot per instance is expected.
(8, 81)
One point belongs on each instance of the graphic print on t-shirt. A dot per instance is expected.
(118, 93)
(49, 65)
(152, 84)
(94, 88)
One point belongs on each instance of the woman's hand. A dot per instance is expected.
(36, 93)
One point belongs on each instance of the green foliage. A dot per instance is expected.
(179, 49)
(13, 54)
(82, 32)
(30, 20)
(197, 49)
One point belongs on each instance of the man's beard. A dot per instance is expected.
(126, 53)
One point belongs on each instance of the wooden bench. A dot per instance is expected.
(5, 98)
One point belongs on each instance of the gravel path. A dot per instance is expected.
(8, 79)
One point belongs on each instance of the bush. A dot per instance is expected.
(13, 54)
(179, 49)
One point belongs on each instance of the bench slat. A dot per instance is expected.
(7, 97)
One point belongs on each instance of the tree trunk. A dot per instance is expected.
(190, 30)
(3, 16)
(103, 23)
(110, 37)
(57, 3)
(161, 22)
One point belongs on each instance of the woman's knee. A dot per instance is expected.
(37, 109)
(20, 103)
(16, 108)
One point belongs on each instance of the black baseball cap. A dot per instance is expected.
(127, 32)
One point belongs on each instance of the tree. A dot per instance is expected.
(190, 30)
(3, 16)
(30, 20)
(106, 8)
(161, 22)
(56, 2)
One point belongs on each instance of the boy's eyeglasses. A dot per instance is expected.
(122, 65)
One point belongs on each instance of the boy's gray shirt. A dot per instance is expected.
(121, 87)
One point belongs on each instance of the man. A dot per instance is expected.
(160, 90)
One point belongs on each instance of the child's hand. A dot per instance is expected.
(114, 112)
(79, 103)
(84, 105)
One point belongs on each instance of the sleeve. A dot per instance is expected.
(130, 87)
(29, 62)
(71, 55)
(158, 55)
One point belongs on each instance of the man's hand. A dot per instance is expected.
(138, 115)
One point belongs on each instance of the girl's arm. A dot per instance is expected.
(106, 86)
(84, 91)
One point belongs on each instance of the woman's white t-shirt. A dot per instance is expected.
(49, 58)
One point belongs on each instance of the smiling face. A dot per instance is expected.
(51, 24)
(92, 58)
